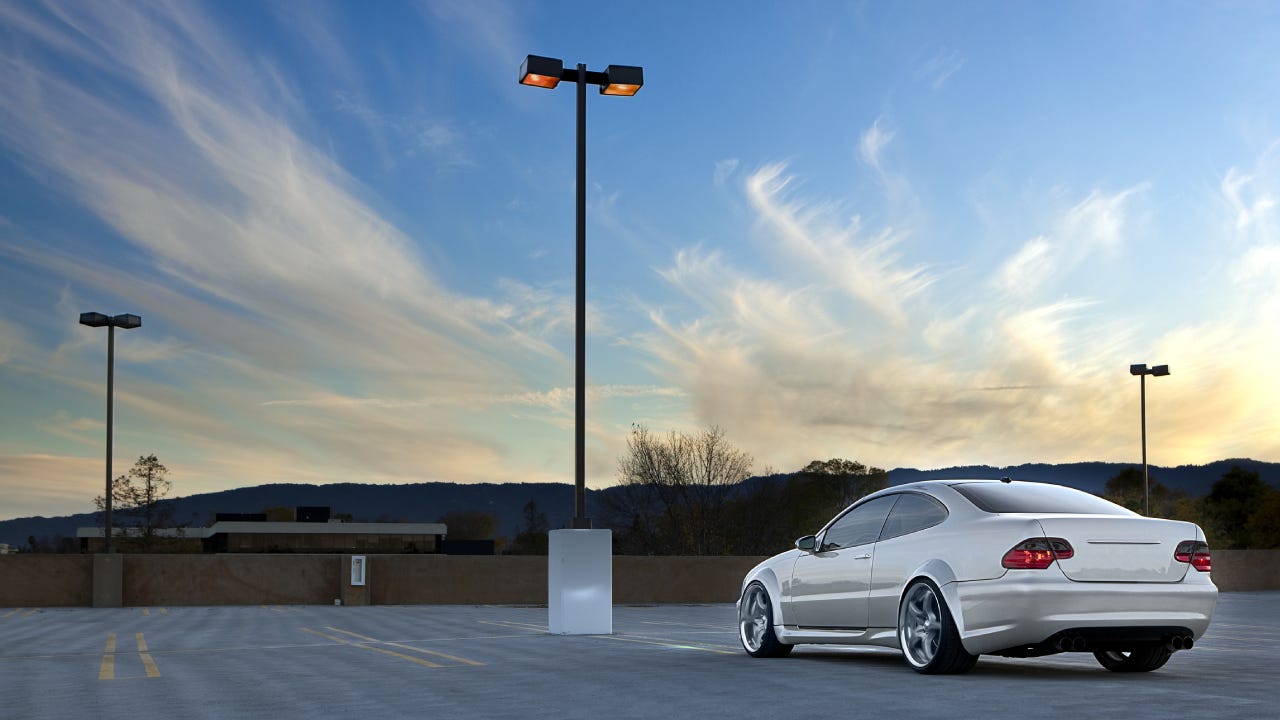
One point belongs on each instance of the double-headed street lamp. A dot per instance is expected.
(124, 322)
(1142, 371)
(625, 80)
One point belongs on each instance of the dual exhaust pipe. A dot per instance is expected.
(1072, 643)
(1078, 643)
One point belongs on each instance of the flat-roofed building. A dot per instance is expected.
(288, 537)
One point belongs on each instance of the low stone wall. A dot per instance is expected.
(1246, 570)
(46, 580)
(231, 579)
(656, 579)
(457, 580)
(243, 579)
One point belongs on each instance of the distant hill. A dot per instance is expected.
(427, 502)
(1093, 476)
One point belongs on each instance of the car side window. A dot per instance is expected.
(859, 526)
(914, 512)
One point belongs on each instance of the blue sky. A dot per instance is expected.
(914, 234)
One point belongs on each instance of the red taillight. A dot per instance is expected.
(1194, 552)
(1037, 553)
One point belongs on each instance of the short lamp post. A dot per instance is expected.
(124, 322)
(1142, 371)
(625, 80)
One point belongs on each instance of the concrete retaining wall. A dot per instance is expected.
(232, 579)
(242, 579)
(1246, 570)
(46, 580)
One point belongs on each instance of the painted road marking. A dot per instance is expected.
(517, 625)
(722, 628)
(147, 662)
(645, 640)
(424, 651)
(666, 643)
(13, 612)
(384, 651)
(108, 669)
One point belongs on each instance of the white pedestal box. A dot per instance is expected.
(580, 582)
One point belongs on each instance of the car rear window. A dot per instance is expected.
(1025, 497)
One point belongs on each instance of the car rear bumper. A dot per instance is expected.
(1028, 607)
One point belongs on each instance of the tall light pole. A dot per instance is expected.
(124, 322)
(624, 80)
(1142, 371)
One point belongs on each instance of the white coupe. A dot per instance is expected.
(947, 570)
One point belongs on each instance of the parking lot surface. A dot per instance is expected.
(271, 662)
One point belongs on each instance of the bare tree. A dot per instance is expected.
(139, 497)
(674, 490)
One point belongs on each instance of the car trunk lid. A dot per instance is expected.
(1120, 549)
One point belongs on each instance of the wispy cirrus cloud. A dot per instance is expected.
(1094, 226)
(866, 268)
(872, 144)
(794, 360)
(259, 265)
(940, 68)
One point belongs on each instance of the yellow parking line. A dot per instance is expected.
(408, 647)
(108, 669)
(146, 611)
(29, 613)
(147, 661)
(164, 611)
(12, 612)
(392, 653)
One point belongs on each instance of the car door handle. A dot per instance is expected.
(862, 557)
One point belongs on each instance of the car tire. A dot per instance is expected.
(755, 624)
(1141, 659)
(927, 634)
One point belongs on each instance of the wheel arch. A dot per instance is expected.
(769, 580)
(943, 578)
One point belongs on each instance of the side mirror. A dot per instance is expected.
(808, 543)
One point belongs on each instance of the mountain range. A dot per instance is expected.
(428, 502)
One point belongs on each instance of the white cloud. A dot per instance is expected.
(867, 269)
(273, 274)
(1250, 211)
(67, 484)
(1026, 271)
(940, 68)
(724, 169)
(798, 365)
(872, 144)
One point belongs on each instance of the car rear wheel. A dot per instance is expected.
(1142, 659)
(755, 624)
(927, 634)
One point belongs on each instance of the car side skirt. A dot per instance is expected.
(796, 635)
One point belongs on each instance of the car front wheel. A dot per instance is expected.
(755, 624)
(1142, 659)
(927, 634)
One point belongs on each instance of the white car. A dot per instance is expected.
(948, 570)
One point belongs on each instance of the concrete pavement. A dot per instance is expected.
(272, 662)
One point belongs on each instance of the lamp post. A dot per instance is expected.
(624, 80)
(124, 322)
(1142, 371)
